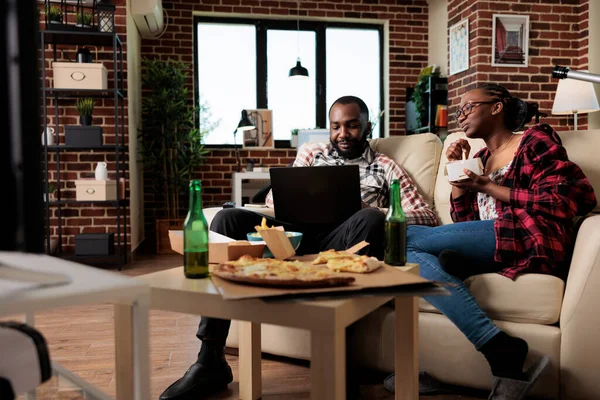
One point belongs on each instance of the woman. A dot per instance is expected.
(515, 218)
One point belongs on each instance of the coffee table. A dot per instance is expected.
(326, 320)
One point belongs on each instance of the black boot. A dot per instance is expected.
(209, 374)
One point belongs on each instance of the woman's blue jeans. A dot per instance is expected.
(476, 241)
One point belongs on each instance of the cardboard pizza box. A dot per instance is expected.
(221, 248)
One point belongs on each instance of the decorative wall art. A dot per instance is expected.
(510, 40)
(262, 136)
(459, 47)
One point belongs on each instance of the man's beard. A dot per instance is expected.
(355, 151)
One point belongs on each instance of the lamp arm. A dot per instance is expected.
(565, 72)
(237, 152)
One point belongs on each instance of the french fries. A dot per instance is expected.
(263, 225)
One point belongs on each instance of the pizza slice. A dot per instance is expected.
(342, 261)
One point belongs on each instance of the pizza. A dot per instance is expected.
(279, 273)
(342, 261)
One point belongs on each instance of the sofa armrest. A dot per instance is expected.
(580, 319)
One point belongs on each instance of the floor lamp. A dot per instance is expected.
(575, 97)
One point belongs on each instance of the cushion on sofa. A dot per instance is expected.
(531, 298)
(419, 155)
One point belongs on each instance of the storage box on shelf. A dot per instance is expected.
(71, 81)
(92, 189)
(95, 244)
(76, 75)
(83, 136)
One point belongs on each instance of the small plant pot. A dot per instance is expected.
(85, 120)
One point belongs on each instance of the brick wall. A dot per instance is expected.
(558, 36)
(408, 54)
(85, 218)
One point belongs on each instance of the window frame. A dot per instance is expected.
(262, 25)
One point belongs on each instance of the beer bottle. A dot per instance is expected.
(395, 229)
(195, 236)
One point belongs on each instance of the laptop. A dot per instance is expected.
(326, 195)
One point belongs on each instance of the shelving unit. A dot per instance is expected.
(437, 94)
(73, 38)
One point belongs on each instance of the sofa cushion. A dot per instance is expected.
(531, 298)
(419, 155)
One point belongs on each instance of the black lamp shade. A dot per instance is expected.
(106, 16)
(298, 72)
(245, 123)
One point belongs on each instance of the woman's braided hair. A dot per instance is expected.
(516, 111)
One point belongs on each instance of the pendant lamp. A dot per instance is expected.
(298, 72)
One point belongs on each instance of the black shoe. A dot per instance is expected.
(199, 380)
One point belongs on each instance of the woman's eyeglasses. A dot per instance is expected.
(468, 108)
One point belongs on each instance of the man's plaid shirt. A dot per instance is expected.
(376, 174)
(535, 232)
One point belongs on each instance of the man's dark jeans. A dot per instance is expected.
(367, 224)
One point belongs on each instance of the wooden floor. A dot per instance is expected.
(82, 340)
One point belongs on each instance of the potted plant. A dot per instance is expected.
(85, 107)
(54, 15)
(84, 135)
(294, 141)
(420, 94)
(171, 140)
(84, 20)
(51, 190)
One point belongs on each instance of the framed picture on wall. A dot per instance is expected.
(459, 47)
(510, 40)
(262, 136)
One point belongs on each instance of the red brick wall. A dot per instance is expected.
(408, 54)
(558, 35)
(87, 218)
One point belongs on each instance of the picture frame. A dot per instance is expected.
(262, 135)
(459, 47)
(510, 40)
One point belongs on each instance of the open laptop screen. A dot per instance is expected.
(326, 195)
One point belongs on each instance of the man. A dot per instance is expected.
(349, 130)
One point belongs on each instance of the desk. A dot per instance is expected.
(238, 177)
(326, 320)
(92, 286)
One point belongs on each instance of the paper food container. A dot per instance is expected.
(454, 169)
(220, 248)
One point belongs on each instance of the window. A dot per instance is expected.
(244, 64)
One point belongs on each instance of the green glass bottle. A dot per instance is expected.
(395, 229)
(195, 236)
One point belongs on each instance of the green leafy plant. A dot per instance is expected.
(294, 132)
(85, 106)
(419, 95)
(84, 19)
(54, 14)
(171, 139)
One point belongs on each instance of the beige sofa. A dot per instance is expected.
(556, 319)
